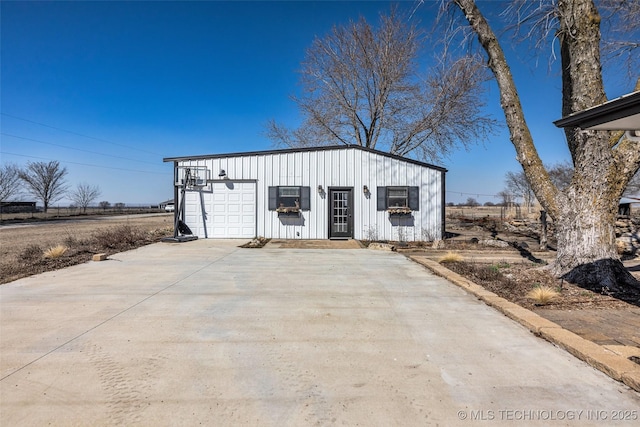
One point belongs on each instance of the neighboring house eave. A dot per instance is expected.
(628, 200)
(619, 114)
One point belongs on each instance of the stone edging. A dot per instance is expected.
(616, 366)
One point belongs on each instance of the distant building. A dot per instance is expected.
(164, 204)
(18, 207)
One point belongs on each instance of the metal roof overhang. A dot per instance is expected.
(619, 114)
(293, 150)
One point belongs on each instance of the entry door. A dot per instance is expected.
(341, 213)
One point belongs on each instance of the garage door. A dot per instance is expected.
(228, 211)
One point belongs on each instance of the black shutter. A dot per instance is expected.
(305, 198)
(273, 198)
(414, 198)
(382, 198)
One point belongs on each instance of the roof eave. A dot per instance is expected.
(625, 106)
(302, 149)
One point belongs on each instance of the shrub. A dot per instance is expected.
(450, 257)
(31, 252)
(120, 237)
(543, 295)
(55, 252)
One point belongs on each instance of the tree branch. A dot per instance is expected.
(521, 137)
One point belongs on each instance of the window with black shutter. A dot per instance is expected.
(289, 198)
(398, 198)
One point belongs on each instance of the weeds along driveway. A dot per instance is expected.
(206, 332)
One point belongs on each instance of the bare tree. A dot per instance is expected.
(472, 202)
(9, 181)
(104, 205)
(518, 185)
(506, 198)
(361, 86)
(604, 162)
(45, 181)
(84, 195)
(560, 174)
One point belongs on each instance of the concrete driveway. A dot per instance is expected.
(207, 333)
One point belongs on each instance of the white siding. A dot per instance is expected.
(329, 168)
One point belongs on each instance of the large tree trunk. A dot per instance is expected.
(587, 209)
(585, 212)
(587, 252)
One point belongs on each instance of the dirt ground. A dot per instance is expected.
(505, 271)
(511, 272)
(22, 244)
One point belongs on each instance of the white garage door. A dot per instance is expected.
(229, 211)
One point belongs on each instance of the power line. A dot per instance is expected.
(74, 148)
(462, 193)
(79, 134)
(83, 164)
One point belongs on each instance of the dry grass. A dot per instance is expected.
(450, 257)
(55, 252)
(543, 295)
(22, 248)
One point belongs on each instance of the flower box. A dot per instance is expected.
(288, 211)
(399, 211)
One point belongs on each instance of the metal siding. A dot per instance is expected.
(337, 168)
(262, 172)
(273, 162)
(322, 210)
(333, 168)
(355, 157)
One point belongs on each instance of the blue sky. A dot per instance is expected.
(110, 88)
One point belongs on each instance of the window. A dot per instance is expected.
(398, 197)
(290, 198)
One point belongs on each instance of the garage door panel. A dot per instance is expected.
(219, 219)
(230, 211)
(191, 219)
(219, 232)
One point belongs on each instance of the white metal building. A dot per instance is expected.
(337, 192)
